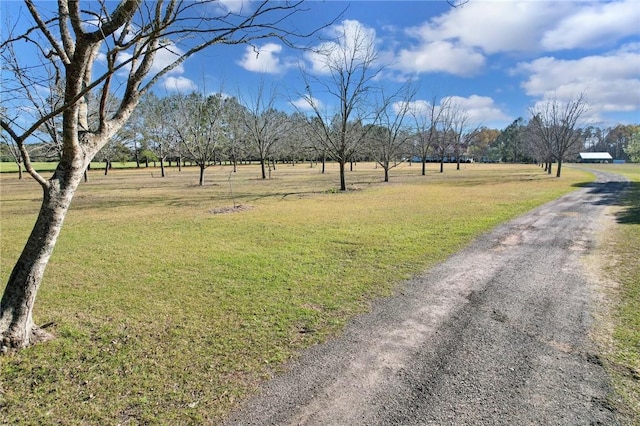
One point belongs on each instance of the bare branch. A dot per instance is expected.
(554, 128)
(42, 26)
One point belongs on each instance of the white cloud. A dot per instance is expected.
(418, 108)
(597, 24)
(101, 58)
(353, 40)
(263, 59)
(440, 56)
(588, 115)
(509, 26)
(235, 6)
(318, 59)
(179, 84)
(165, 56)
(353, 35)
(611, 82)
(458, 41)
(495, 26)
(480, 110)
(307, 103)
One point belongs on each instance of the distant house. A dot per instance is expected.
(595, 157)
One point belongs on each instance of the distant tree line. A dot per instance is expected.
(200, 130)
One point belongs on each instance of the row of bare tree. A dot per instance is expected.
(208, 129)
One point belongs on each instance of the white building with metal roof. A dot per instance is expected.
(595, 157)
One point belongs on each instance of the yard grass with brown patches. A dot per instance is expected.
(620, 341)
(167, 313)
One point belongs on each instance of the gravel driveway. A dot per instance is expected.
(496, 335)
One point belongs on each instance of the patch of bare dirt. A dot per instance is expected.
(230, 209)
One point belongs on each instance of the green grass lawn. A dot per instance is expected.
(168, 311)
(41, 166)
(622, 259)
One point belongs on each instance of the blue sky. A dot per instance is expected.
(496, 58)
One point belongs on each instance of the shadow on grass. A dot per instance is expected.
(466, 181)
(617, 193)
(90, 202)
(631, 202)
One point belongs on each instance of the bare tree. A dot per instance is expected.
(555, 128)
(350, 65)
(443, 147)
(390, 137)
(155, 125)
(13, 151)
(235, 143)
(68, 39)
(296, 145)
(427, 118)
(198, 122)
(537, 148)
(38, 103)
(461, 132)
(453, 133)
(445, 134)
(264, 125)
(316, 131)
(115, 150)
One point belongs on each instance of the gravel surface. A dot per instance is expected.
(496, 335)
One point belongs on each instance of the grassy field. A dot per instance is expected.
(168, 309)
(621, 340)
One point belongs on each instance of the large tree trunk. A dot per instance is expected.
(202, 167)
(558, 168)
(424, 166)
(343, 181)
(262, 168)
(16, 324)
